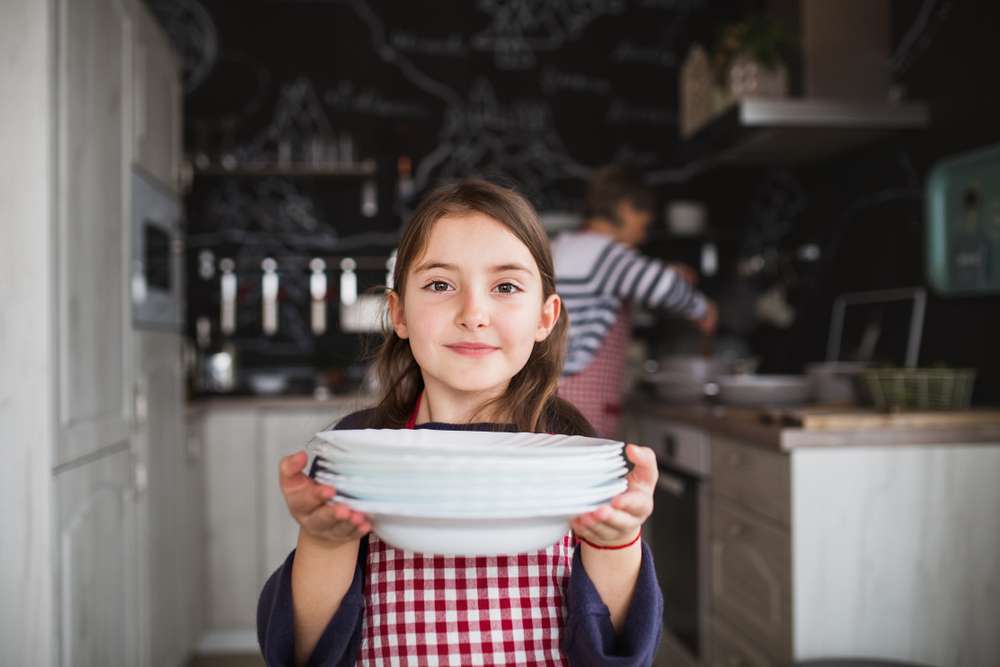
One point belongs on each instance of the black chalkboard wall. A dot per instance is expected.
(535, 94)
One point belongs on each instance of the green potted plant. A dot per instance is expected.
(750, 59)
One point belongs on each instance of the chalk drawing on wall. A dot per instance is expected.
(520, 28)
(516, 140)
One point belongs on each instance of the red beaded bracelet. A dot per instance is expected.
(617, 546)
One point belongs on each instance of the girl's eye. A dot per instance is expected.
(437, 286)
(508, 288)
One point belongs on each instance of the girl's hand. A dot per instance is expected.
(619, 522)
(307, 503)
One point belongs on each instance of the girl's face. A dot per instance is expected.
(473, 306)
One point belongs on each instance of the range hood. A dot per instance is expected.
(845, 103)
(790, 131)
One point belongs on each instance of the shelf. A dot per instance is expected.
(347, 170)
(791, 131)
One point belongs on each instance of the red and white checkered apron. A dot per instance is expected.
(596, 391)
(441, 610)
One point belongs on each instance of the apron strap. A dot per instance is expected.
(412, 421)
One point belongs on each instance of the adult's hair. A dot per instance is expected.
(530, 397)
(610, 186)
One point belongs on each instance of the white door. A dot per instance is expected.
(99, 611)
(98, 564)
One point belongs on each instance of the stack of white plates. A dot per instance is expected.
(469, 493)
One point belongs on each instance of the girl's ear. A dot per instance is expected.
(396, 314)
(550, 315)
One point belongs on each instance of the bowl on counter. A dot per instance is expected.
(837, 382)
(753, 390)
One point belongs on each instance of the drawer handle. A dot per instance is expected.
(736, 530)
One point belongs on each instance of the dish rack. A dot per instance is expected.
(920, 388)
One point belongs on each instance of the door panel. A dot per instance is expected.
(91, 234)
(98, 573)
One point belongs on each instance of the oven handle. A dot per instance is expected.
(672, 484)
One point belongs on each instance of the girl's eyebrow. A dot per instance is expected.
(427, 266)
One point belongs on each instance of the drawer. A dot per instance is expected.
(726, 648)
(684, 446)
(750, 577)
(753, 478)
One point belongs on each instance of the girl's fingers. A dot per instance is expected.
(645, 472)
(307, 498)
(607, 524)
(637, 503)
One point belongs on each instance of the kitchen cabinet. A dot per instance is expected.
(171, 501)
(249, 530)
(883, 551)
(100, 608)
(92, 335)
(101, 497)
(156, 103)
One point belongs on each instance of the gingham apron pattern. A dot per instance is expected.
(437, 610)
(596, 391)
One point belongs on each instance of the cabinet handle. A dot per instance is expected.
(672, 484)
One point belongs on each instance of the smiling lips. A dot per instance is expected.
(472, 349)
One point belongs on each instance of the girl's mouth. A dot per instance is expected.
(472, 349)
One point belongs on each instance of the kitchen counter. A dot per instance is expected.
(869, 429)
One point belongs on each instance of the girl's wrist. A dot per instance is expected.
(321, 543)
(625, 544)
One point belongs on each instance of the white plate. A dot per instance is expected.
(489, 488)
(499, 443)
(330, 453)
(449, 511)
(510, 497)
(466, 466)
(470, 537)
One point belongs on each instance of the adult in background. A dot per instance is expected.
(599, 274)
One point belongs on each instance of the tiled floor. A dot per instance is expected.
(227, 660)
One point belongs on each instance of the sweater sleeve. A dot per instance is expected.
(339, 643)
(589, 638)
(653, 284)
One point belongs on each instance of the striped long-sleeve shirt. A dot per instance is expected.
(595, 274)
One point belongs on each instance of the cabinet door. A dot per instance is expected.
(173, 501)
(92, 331)
(157, 101)
(726, 648)
(753, 478)
(233, 517)
(97, 592)
(751, 577)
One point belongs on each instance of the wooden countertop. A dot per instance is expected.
(826, 427)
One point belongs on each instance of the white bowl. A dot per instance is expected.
(470, 537)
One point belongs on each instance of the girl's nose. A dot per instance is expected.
(474, 312)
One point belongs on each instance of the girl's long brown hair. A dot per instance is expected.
(531, 396)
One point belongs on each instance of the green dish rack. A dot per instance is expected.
(894, 389)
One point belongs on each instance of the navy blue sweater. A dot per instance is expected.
(588, 637)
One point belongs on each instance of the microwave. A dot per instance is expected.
(157, 266)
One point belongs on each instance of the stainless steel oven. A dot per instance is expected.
(157, 271)
(679, 537)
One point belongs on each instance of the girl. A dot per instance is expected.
(477, 342)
